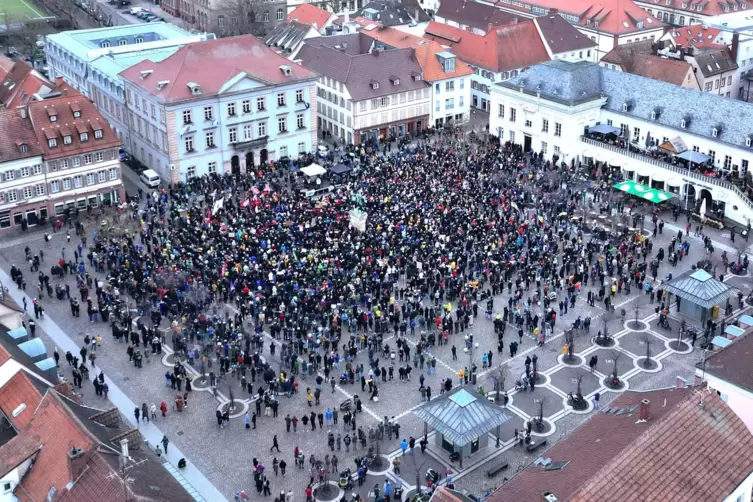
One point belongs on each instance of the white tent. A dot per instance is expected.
(313, 170)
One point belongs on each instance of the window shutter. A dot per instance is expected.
(18, 173)
(20, 194)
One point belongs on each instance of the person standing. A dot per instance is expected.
(165, 442)
(275, 444)
(137, 413)
(596, 401)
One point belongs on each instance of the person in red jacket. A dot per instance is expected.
(309, 494)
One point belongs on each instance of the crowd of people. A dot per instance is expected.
(235, 272)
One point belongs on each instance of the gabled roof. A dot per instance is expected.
(474, 14)
(638, 59)
(714, 61)
(89, 121)
(393, 12)
(710, 8)
(16, 130)
(698, 36)
(675, 455)
(288, 36)
(311, 15)
(21, 84)
(231, 57)
(359, 70)
(733, 362)
(505, 48)
(560, 36)
(616, 17)
(426, 52)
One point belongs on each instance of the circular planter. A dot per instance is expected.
(547, 428)
(327, 492)
(241, 407)
(682, 347)
(621, 385)
(653, 366)
(737, 275)
(541, 379)
(573, 360)
(634, 325)
(197, 384)
(379, 466)
(579, 411)
(604, 344)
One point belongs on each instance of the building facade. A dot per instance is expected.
(551, 109)
(254, 107)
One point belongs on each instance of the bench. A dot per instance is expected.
(496, 469)
(535, 446)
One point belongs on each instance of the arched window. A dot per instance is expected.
(105, 44)
(220, 21)
(280, 14)
(266, 16)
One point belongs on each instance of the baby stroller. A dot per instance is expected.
(345, 481)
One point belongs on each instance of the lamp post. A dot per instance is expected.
(470, 349)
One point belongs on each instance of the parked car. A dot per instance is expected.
(150, 178)
(136, 10)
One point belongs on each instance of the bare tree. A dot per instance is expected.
(499, 382)
(613, 377)
(23, 34)
(240, 17)
(647, 341)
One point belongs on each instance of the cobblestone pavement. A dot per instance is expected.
(225, 455)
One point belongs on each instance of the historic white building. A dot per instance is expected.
(550, 108)
(219, 106)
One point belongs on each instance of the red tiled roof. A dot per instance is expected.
(15, 452)
(638, 59)
(4, 355)
(617, 17)
(20, 85)
(617, 457)
(6, 64)
(230, 57)
(710, 8)
(16, 392)
(426, 52)
(89, 121)
(696, 36)
(311, 15)
(505, 48)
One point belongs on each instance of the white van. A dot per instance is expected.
(150, 178)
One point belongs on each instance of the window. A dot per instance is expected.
(266, 16)
(139, 40)
(98, 134)
(233, 135)
(208, 113)
(231, 109)
(260, 105)
(708, 86)
(262, 129)
(102, 176)
(449, 85)
(712, 154)
(67, 140)
(246, 106)
(76, 161)
(99, 157)
(461, 101)
(437, 106)
(212, 167)
(78, 181)
(636, 134)
(280, 14)
(210, 139)
(187, 116)
(12, 196)
(301, 148)
(282, 124)
(28, 193)
(544, 125)
(437, 88)
(557, 129)
(727, 162)
(88, 159)
(55, 186)
(188, 141)
(37, 169)
(247, 134)
(191, 172)
(449, 104)
(299, 121)
(25, 171)
(220, 21)
(299, 96)
(512, 136)
(114, 173)
(281, 99)
(90, 179)
(501, 111)
(543, 148)
(105, 44)
(462, 83)
(66, 184)
(283, 151)
(513, 114)
(122, 42)
(714, 132)
(52, 143)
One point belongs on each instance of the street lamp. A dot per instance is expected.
(470, 349)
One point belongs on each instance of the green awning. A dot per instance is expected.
(643, 191)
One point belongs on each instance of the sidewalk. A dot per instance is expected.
(198, 486)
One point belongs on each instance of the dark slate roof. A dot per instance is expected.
(733, 362)
(714, 62)
(343, 59)
(474, 14)
(560, 36)
(700, 288)
(574, 83)
(461, 415)
(560, 81)
(287, 36)
(394, 12)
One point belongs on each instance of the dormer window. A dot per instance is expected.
(53, 118)
(625, 107)
(653, 115)
(98, 134)
(374, 84)
(76, 115)
(52, 142)
(22, 148)
(394, 80)
(67, 140)
(683, 124)
(84, 136)
(748, 141)
(714, 132)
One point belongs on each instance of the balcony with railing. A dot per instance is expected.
(739, 187)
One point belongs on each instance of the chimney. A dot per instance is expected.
(645, 411)
(124, 448)
(735, 46)
(22, 112)
(680, 383)
(77, 460)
